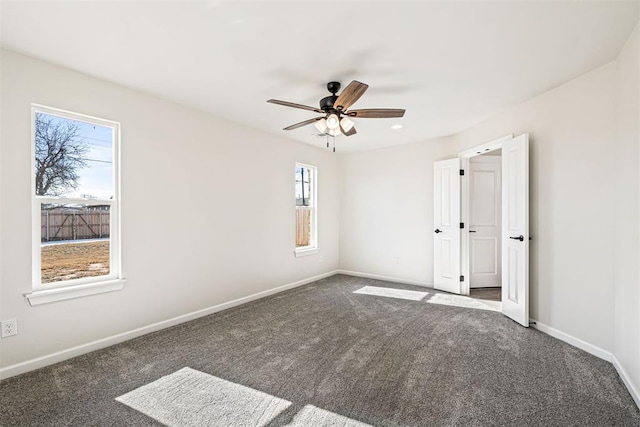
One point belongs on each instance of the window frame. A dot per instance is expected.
(66, 289)
(312, 248)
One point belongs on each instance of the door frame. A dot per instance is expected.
(464, 156)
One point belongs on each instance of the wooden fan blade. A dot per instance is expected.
(294, 105)
(351, 131)
(350, 95)
(376, 113)
(306, 122)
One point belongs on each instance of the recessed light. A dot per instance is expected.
(396, 127)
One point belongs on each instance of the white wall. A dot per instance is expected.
(386, 211)
(627, 251)
(584, 212)
(207, 210)
(572, 197)
(585, 218)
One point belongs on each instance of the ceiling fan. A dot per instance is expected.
(336, 116)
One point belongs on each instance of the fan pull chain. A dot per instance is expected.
(327, 140)
(334, 143)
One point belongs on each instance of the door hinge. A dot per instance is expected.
(462, 225)
(462, 278)
(461, 172)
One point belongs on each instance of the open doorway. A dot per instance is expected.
(481, 212)
(452, 260)
(484, 201)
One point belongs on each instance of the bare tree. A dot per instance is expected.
(60, 154)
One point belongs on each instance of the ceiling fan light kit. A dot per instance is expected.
(321, 125)
(346, 124)
(335, 109)
(332, 121)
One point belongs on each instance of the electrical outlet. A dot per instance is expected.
(397, 260)
(320, 258)
(9, 328)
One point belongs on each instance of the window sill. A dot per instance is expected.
(305, 251)
(60, 294)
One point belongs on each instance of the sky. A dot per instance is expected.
(96, 179)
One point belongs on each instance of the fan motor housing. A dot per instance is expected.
(333, 87)
(326, 103)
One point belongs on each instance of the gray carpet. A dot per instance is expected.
(372, 359)
(192, 398)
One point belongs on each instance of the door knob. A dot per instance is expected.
(520, 237)
(438, 231)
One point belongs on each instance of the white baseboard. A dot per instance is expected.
(385, 278)
(50, 359)
(633, 390)
(576, 342)
(569, 339)
(60, 356)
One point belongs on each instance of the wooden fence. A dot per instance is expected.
(73, 224)
(303, 226)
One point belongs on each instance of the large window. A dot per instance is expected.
(306, 217)
(75, 204)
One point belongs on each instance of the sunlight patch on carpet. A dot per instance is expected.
(189, 398)
(392, 293)
(192, 398)
(313, 416)
(463, 301)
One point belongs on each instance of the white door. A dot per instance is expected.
(515, 229)
(485, 229)
(446, 223)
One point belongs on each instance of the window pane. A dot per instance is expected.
(303, 186)
(303, 226)
(74, 241)
(73, 158)
(305, 206)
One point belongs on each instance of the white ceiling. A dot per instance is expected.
(450, 64)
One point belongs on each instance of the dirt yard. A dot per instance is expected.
(67, 261)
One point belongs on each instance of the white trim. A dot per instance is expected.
(74, 283)
(313, 187)
(633, 390)
(385, 278)
(465, 250)
(305, 250)
(576, 342)
(487, 147)
(465, 156)
(569, 339)
(115, 273)
(40, 362)
(73, 115)
(69, 292)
